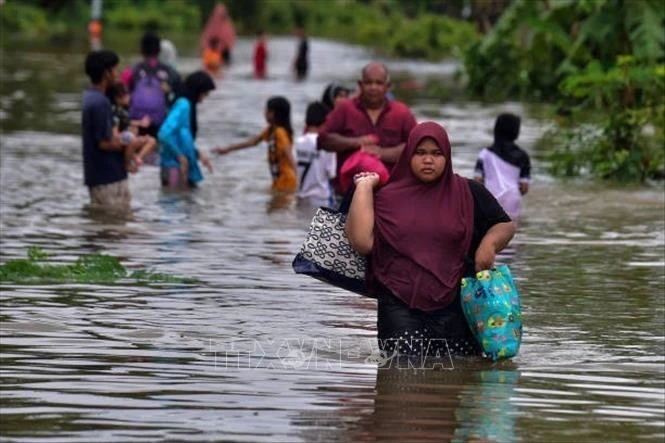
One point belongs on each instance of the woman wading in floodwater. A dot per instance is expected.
(422, 232)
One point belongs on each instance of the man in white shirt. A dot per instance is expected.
(316, 167)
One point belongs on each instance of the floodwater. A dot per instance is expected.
(257, 353)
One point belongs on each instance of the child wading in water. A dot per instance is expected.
(279, 136)
(212, 56)
(179, 154)
(505, 168)
(316, 167)
(138, 147)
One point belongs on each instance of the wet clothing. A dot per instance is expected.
(419, 252)
(99, 167)
(260, 57)
(282, 171)
(212, 59)
(350, 119)
(114, 195)
(399, 324)
(176, 138)
(487, 212)
(301, 64)
(408, 331)
(169, 82)
(315, 169)
(503, 166)
(425, 238)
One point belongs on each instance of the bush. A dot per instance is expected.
(22, 18)
(630, 145)
(380, 25)
(172, 15)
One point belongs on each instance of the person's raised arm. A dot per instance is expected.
(331, 139)
(386, 154)
(360, 220)
(338, 143)
(253, 141)
(493, 242)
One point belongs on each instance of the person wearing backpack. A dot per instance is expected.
(153, 85)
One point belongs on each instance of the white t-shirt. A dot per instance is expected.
(502, 180)
(315, 168)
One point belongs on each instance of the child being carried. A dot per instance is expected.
(137, 147)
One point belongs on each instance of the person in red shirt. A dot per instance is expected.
(368, 122)
(260, 56)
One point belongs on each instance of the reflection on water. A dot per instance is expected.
(119, 362)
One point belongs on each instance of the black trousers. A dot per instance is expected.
(407, 331)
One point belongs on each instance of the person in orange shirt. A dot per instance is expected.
(279, 136)
(212, 56)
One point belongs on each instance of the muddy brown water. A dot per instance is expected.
(257, 353)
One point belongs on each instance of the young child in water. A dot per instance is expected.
(279, 136)
(138, 147)
(316, 167)
(212, 56)
(505, 168)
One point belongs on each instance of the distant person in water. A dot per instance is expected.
(505, 168)
(316, 167)
(104, 170)
(369, 122)
(333, 93)
(219, 25)
(153, 85)
(168, 54)
(212, 56)
(128, 129)
(179, 155)
(301, 62)
(260, 56)
(279, 136)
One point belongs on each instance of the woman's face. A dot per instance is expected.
(428, 161)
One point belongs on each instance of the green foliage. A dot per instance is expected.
(587, 55)
(536, 44)
(22, 18)
(32, 20)
(92, 268)
(172, 15)
(624, 147)
(381, 24)
(630, 146)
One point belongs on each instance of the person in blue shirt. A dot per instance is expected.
(104, 170)
(178, 153)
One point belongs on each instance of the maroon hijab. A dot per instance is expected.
(422, 231)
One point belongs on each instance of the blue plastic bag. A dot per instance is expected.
(491, 305)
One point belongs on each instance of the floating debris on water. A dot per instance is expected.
(89, 268)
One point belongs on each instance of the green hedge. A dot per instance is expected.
(381, 24)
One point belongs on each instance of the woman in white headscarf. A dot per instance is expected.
(168, 53)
